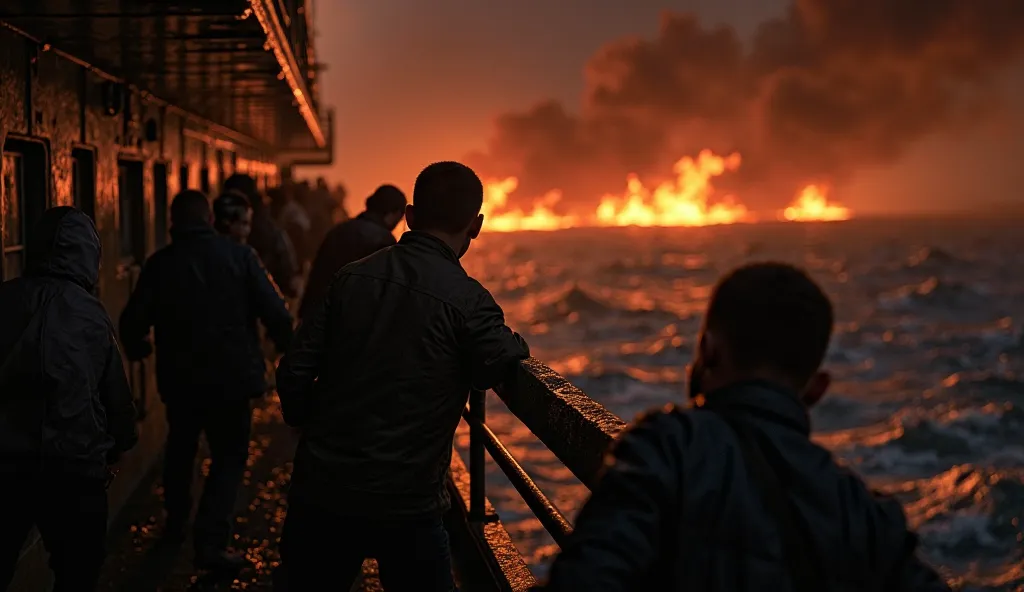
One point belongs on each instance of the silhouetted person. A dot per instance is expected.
(733, 494)
(270, 240)
(66, 409)
(232, 216)
(377, 381)
(202, 295)
(350, 241)
(292, 217)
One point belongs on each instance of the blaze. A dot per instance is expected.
(541, 217)
(683, 201)
(686, 200)
(812, 205)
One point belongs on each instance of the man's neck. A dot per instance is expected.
(454, 242)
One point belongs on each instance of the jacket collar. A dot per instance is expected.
(425, 240)
(761, 399)
(192, 231)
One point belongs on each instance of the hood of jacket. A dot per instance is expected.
(64, 244)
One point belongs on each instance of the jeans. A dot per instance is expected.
(318, 547)
(71, 515)
(227, 425)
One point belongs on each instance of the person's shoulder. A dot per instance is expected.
(80, 307)
(666, 431)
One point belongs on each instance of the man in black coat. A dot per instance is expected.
(352, 240)
(377, 381)
(203, 295)
(66, 409)
(733, 494)
(267, 237)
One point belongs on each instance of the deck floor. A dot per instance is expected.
(139, 562)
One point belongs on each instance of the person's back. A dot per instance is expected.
(352, 240)
(66, 409)
(686, 501)
(377, 382)
(202, 296)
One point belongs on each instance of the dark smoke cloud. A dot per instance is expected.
(834, 86)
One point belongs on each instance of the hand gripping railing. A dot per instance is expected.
(574, 427)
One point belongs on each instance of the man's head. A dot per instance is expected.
(765, 321)
(232, 216)
(387, 202)
(247, 186)
(190, 208)
(446, 202)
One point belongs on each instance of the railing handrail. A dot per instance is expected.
(574, 427)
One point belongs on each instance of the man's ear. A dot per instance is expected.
(708, 349)
(474, 228)
(816, 388)
(410, 216)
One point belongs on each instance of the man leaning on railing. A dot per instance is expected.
(377, 381)
(733, 494)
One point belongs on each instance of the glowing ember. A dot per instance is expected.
(812, 204)
(681, 202)
(686, 200)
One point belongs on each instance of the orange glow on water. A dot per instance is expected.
(812, 205)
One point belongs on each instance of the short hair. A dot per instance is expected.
(772, 315)
(229, 207)
(190, 208)
(447, 196)
(242, 183)
(387, 199)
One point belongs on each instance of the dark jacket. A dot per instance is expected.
(380, 374)
(65, 403)
(676, 510)
(347, 242)
(275, 249)
(202, 295)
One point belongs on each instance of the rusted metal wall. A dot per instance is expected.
(57, 104)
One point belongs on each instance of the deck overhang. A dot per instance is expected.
(244, 65)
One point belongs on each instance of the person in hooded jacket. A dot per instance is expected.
(732, 494)
(268, 238)
(352, 240)
(66, 411)
(203, 295)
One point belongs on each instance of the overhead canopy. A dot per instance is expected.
(244, 64)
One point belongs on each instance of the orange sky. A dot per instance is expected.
(414, 82)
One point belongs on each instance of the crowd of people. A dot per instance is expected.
(726, 493)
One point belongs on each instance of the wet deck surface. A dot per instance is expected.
(138, 561)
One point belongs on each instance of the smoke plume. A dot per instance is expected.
(833, 86)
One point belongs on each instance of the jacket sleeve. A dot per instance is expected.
(300, 367)
(908, 573)
(492, 350)
(137, 316)
(269, 305)
(116, 397)
(619, 530)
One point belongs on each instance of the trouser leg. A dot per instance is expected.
(184, 424)
(16, 498)
(73, 525)
(227, 429)
(414, 556)
(316, 548)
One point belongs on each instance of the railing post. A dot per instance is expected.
(477, 474)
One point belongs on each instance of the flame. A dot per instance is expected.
(684, 201)
(812, 204)
(681, 202)
(540, 218)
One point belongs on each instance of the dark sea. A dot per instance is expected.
(927, 359)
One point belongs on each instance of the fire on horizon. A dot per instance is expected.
(689, 199)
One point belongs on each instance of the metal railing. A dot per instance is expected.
(574, 427)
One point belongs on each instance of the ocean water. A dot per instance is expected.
(927, 359)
